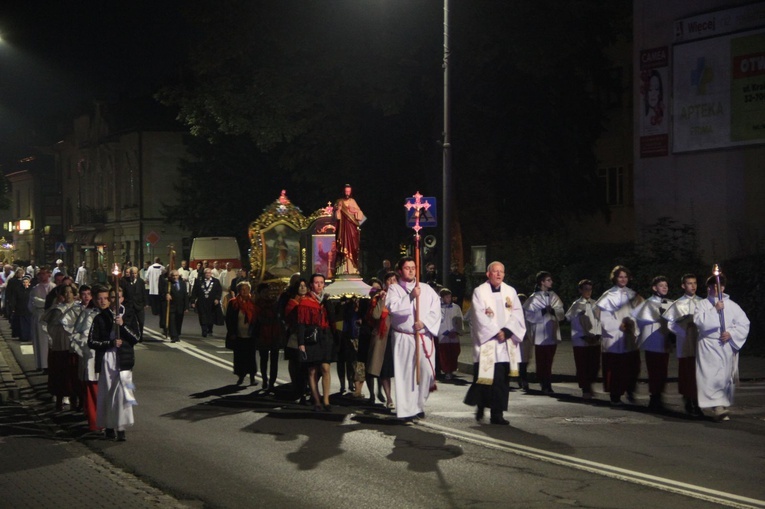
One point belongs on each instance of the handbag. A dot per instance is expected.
(219, 319)
(311, 335)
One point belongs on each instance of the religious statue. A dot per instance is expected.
(348, 234)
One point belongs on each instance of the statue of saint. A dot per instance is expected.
(348, 234)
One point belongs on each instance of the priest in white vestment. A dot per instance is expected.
(497, 328)
(400, 300)
(717, 355)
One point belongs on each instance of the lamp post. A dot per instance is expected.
(446, 171)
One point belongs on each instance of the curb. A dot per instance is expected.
(9, 389)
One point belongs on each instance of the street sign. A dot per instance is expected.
(152, 237)
(428, 217)
(61, 247)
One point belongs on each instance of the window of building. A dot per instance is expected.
(616, 185)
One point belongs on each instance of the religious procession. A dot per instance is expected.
(391, 338)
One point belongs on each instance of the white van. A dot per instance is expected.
(221, 249)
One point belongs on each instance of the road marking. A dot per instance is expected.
(201, 354)
(690, 490)
(194, 351)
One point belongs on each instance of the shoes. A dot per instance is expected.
(121, 436)
(380, 396)
(631, 396)
(721, 414)
(448, 376)
(174, 340)
(479, 414)
(389, 405)
(500, 421)
(318, 408)
(109, 434)
(240, 380)
(688, 403)
(587, 395)
(616, 401)
(655, 403)
(524, 385)
(421, 415)
(204, 333)
(253, 382)
(328, 408)
(371, 401)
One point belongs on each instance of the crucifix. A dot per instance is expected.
(418, 205)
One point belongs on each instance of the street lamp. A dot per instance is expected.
(447, 158)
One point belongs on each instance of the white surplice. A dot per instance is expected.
(411, 398)
(492, 312)
(543, 328)
(652, 325)
(616, 307)
(679, 318)
(584, 316)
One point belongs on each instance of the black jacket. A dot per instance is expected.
(101, 338)
(134, 293)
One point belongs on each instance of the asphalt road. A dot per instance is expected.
(211, 443)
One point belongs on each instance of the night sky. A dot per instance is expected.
(57, 56)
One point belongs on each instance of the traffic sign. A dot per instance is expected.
(428, 216)
(152, 237)
(61, 247)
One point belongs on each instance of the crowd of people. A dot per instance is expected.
(82, 329)
(609, 333)
(404, 335)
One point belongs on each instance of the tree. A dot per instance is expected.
(348, 91)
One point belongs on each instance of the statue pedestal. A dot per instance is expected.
(348, 285)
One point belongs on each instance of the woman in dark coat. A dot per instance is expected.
(316, 340)
(239, 315)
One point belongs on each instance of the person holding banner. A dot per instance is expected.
(409, 334)
(723, 328)
(497, 327)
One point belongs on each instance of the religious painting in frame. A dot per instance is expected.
(281, 250)
(275, 242)
(323, 255)
(478, 257)
(318, 241)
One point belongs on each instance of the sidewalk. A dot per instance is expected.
(41, 467)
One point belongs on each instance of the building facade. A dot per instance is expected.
(114, 182)
(699, 120)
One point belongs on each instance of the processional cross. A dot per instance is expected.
(417, 205)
